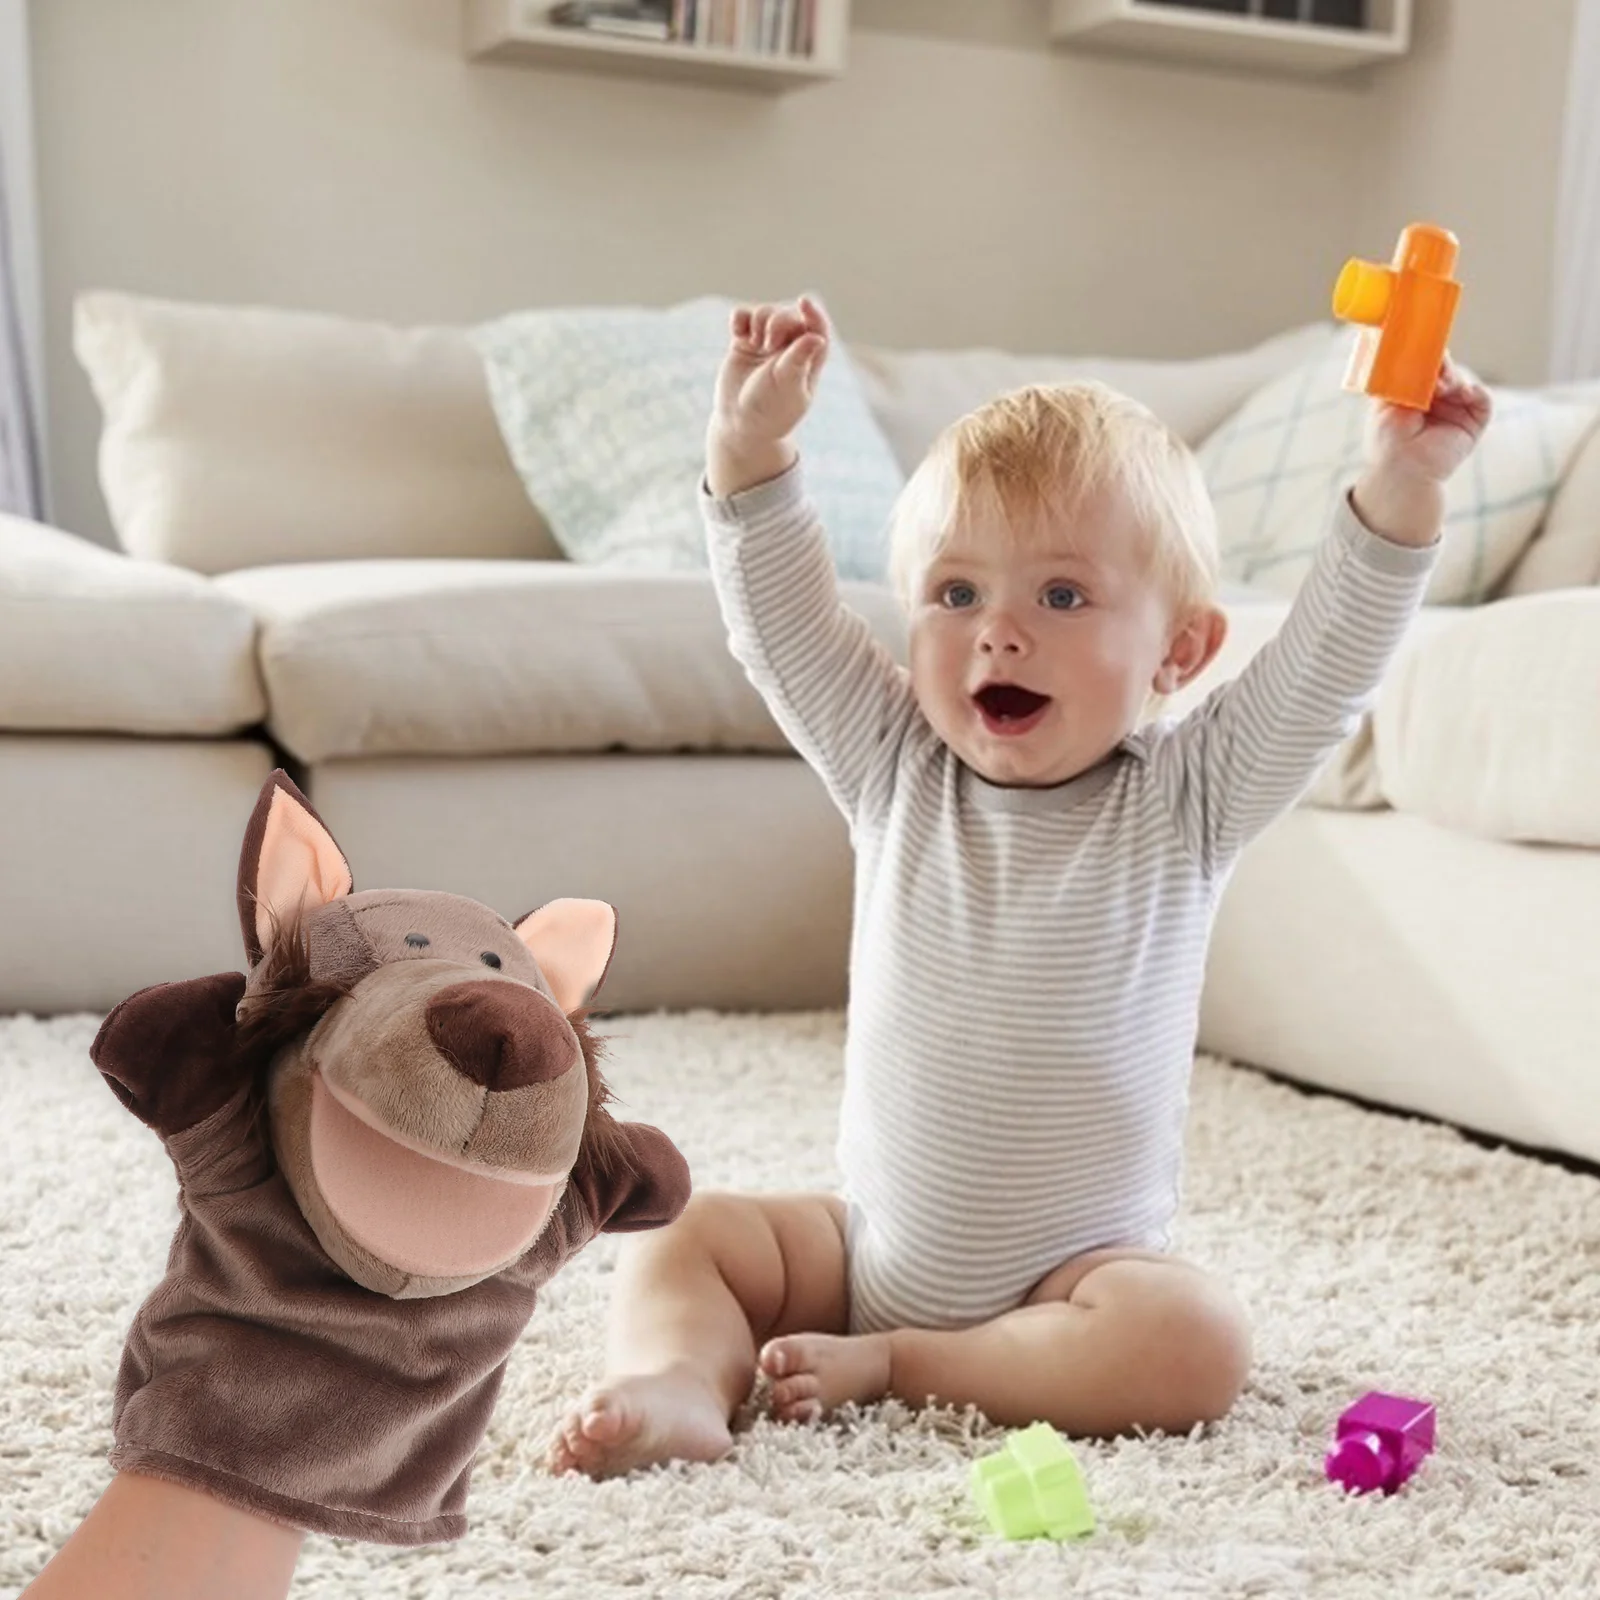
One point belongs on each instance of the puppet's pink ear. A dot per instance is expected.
(572, 941)
(289, 863)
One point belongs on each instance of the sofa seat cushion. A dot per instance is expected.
(92, 641)
(1492, 724)
(463, 658)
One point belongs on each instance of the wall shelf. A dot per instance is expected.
(1177, 33)
(518, 31)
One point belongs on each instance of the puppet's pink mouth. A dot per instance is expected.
(434, 1218)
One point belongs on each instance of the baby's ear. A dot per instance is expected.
(289, 864)
(1192, 648)
(572, 941)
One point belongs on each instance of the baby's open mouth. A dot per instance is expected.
(1009, 708)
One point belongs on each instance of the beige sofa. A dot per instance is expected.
(331, 564)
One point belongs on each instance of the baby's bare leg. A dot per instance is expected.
(1110, 1341)
(692, 1304)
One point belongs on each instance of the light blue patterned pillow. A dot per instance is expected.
(1278, 464)
(604, 411)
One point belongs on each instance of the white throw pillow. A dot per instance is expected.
(237, 436)
(1492, 725)
(604, 411)
(916, 394)
(1278, 464)
(1566, 553)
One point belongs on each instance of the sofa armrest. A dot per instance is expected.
(1491, 725)
(92, 641)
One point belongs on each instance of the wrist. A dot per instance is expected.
(1399, 505)
(734, 464)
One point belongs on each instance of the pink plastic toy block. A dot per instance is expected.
(1379, 1442)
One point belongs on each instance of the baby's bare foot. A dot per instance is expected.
(814, 1372)
(623, 1423)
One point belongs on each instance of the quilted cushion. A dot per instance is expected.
(604, 412)
(1278, 463)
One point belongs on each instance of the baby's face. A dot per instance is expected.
(1032, 660)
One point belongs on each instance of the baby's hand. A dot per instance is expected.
(1411, 455)
(1433, 443)
(764, 390)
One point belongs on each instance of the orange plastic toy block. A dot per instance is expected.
(1405, 311)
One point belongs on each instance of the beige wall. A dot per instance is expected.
(1468, 130)
(963, 183)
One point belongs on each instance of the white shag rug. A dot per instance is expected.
(1375, 1252)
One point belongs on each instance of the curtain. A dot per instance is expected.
(21, 365)
(1575, 332)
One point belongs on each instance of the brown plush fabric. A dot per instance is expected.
(170, 1053)
(387, 1139)
(497, 1035)
(260, 1373)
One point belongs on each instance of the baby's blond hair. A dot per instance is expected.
(1038, 454)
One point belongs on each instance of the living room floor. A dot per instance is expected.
(1375, 1252)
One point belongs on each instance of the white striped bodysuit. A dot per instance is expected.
(1025, 964)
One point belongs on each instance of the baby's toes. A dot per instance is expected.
(797, 1399)
(781, 1358)
(603, 1421)
(803, 1386)
(561, 1453)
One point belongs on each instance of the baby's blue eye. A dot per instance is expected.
(957, 596)
(1062, 597)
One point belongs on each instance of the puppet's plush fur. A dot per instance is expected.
(388, 1135)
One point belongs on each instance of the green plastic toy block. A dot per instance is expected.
(1031, 1486)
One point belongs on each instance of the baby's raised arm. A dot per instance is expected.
(1254, 746)
(836, 692)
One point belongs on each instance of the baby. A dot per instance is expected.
(1036, 876)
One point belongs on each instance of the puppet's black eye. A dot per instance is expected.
(489, 959)
(418, 941)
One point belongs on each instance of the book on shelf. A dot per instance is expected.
(627, 19)
(1323, 13)
(752, 27)
(749, 27)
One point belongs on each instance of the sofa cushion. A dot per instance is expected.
(1566, 551)
(237, 436)
(485, 658)
(91, 641)
(604, 411)
(1281, 460)
(1492, 724)
(915, 394)
(497, 658)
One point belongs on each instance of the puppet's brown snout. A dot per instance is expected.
(501, 1035)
